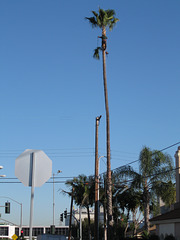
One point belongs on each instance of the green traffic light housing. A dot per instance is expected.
(65, 213)
(61, 217)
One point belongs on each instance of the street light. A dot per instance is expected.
(20, 210)
(59, 171)
(1, 167)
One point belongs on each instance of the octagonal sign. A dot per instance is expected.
(33, 165)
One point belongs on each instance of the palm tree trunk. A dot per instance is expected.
(146, 207)
(70, 219)
(146, 216)
(109, 184)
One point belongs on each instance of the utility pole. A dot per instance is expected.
(96, 217)
(53, 226)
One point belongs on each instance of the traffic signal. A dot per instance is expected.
(65, 213)
(61, 217)
(7, 207)
(22, 234)
(52, 229)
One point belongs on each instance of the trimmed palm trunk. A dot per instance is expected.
(109, 182)
(105, 19)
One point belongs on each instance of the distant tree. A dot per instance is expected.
(105, 19)
(83, 194)
(154, 168)
(128, 201)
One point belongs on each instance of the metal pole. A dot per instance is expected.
(105, 215)
(21, 219)
(96, 217)
(53, 202)
(80, 222)
(20, 210)
(32, 194)
(59, 171)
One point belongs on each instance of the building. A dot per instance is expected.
(84, 215)
(7, 231)
(169, 222)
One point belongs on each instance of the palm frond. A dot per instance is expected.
(110, 13)
(66, 193)
(95, 13)
(103, 18)
(102, 13)
(138, 181)
(146, 161)
(92, 21)
(113, 23)
(96, 53)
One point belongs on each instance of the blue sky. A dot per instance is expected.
(52, 89)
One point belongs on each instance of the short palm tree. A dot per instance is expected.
(105, 19)
(83, 187)
(155, 169)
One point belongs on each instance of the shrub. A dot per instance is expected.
(169, 237)
(154, 237)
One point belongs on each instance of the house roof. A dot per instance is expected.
(174, 214)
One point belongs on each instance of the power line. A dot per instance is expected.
(124, 181)
(115, 169)
(152, 154)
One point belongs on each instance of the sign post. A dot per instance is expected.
(33, 168)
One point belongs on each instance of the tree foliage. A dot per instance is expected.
(103, 18)
(154, 179)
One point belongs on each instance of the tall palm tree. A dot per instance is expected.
(105, 19)
(155, 169)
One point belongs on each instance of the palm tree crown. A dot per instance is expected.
(104, 18)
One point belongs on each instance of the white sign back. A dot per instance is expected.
(42, 167)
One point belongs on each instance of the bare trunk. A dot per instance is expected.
(146, 216)
(70, 219)
(146, 207)
(109, 183)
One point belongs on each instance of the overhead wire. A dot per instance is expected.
(115, 169)
(170, 146)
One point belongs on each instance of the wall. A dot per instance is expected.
(177, 231)
(166, 229)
